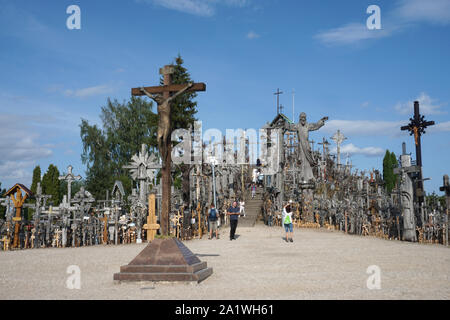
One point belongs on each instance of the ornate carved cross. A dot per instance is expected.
(416, 127)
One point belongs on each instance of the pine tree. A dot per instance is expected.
(36, 178)
(125, 127)
(51, 184)
(388, 171)
(394, 164)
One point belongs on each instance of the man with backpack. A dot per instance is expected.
(213, 216)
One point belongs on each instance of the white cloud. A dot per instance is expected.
(440, 127)
(364, 127)
(432, 11)
(351, 149)
(350, 33)
(252, 35)
(19, 148)
(205, 8)
(426, 103)
(407, 13)
(90, 91)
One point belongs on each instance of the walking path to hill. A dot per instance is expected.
(319, 264)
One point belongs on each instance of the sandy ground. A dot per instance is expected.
(319, 264)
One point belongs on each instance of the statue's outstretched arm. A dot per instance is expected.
(151, 96)
(190, 84)
(319, 124)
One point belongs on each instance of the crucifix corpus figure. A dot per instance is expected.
(163, 96)
(304, 151)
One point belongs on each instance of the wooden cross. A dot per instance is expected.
(151, 226)
(105, 229)
(446, 188)
(18, 199)
(417, 127)
(163, 96)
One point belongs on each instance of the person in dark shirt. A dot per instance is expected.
(233, 212)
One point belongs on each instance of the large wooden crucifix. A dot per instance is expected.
(417, 127)
(163, 96)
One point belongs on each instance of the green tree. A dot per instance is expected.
(126, 126)
(183, 107)
(34, 183)
(184, 110)
(75, 187)
(51, 184)
(36, 178)
(389, 163)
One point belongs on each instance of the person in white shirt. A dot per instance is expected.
(241, 205)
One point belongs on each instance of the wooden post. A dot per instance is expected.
(151, 226)
(105, 229)
(199, 213)
(345, 217)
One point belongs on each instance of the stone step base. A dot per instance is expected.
(198, 276)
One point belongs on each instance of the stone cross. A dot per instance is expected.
(338, 138)
(69, 177)
(163, 96)
(141, 168)
(417, 127)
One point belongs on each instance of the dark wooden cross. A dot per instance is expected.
(278, 100)
(163, 96)
(416, 127)
(446, 189)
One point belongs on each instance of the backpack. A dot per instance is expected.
(212, 215)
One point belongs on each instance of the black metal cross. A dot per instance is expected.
(278, 100)
(417, 127)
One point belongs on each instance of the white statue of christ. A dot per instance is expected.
(304, 150)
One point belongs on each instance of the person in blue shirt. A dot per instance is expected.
(233, 212)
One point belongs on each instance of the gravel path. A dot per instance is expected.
(319, 264)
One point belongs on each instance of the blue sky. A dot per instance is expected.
(364, 80)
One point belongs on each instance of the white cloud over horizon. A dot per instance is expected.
(364, 127)
(351, 149)
(407, 13)
(206, 8)
(89, 91)
(426, 103)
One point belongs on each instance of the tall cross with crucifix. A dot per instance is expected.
(416, 127)
(163, 96)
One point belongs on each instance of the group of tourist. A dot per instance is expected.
(234, 212)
